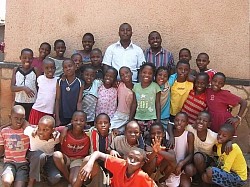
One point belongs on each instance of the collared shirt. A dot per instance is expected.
(162, 58)
(132, 57)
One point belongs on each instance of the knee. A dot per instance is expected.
(57, 155)
(190, 170)
(207, 176)
(7, 180)
(54, 180)
(198, 159)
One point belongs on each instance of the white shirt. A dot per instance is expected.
(46, 94)
(45, 146)
(132, 57)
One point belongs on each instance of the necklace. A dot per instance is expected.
(69, 84)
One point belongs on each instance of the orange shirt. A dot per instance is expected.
(118, 167)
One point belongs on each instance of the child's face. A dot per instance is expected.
(147, 74)
(132, 133)
(125, 32)
(26, 59)
(134, 160)
(96, 58)
(180, 122)
(162, 77)
(77, 59)
(202, 62)
(49, 69)
(60, 49)
(17, 119)
(87, 43)
(200, 84)
(217, 83)
(89, 76)
(126, 75)
(184, 55)
(45, 130)
(69, 67)
(182, 71)
(109, 77)
(154, 40)
(102, 124)
(156, 131)
(202, 122)
(44, 50)
(78, 121)
(224, 136)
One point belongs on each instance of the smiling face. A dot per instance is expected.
(87, 43)
(102, 124)
(45, 129)
(109, 78)
(132, 132)
(161, 77)
(44, 50)
(17, 117)
(201, 83)
(180, 122)
(147, 74)
(125, 74)
(202, 62)
(217, 83)
(89, 76)
(60, 49)
(184, 55)
(155, 40)
(49, 68)
(78, 121)
(26, 59)
(69, 67)
(203, 121)
(125, 32)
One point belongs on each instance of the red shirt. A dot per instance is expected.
(36, 62)
(118, 167)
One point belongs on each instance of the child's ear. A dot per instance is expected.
(9, 116)
(20, 57)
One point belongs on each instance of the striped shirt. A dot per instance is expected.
(15, 144)
(194, 105)
(162, 58)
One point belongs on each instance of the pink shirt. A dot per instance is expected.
(125, 98)
(36, 62)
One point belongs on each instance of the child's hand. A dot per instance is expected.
(234, 121)
(85, 172)
(63, 134)
(170, 143)
(34, 133)
(178, 169)
(156, 145)
(228, 147)
(115, 154)
(116, 132)
(29, 92)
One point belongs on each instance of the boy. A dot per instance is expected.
(126, 173)
(96, 62)
(232, 168)
(14, 144)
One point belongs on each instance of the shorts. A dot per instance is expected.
(70, 162)
(210, 161)
(223, 178)
(119, 120)
(20, 171)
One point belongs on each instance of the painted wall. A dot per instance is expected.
(218, 27)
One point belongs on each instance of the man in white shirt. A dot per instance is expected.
(124, 52)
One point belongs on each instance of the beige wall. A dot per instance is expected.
(218, 27)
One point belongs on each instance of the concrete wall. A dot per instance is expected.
(218, 27)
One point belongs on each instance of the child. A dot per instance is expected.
(43, 139)
(107, 94)
(74, 147)
(196, 100)
(218, 101)
(146, 105)
(125, 172)
(44, 104)
(96, 62)
(23, 82)
(184, 150)
(125, 99)
(90, 93)
(14, 145)
(202, 62)
(232, 168)
(44, 51)
(59, 48)
(68, 94)
(161, 78)
(77, 58)
(161, 162)
(88, 41)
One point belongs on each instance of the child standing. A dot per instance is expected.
(96, 62)
(146, 105)
(125, 99)
(219, 100)
(59, 48)
(107, 94)
(68, 94)
(44, 51)
(14, 145)
(232, 168)
(23, 82)
(77, 58)
(46, 95)
(196, 100)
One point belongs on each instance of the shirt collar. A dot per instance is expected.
(130, 45)
(161, 51)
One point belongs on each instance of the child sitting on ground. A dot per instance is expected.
(77, 58)
(232, 168)
(125, 172)
(44, 51)
(96, 63)
(46, 95)
(14, 145)
(23, 82)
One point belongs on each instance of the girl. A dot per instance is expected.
(44, 51)
(219, 100)
(159, 158)
(107, 94)
(59, 48)
(68, 94)
(77, 58)
(90, 93)
(146, 103)
(23, 82)
(125, 99)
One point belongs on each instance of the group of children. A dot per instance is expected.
(161, 131)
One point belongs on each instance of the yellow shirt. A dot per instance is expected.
(234, 161)
(179, 94)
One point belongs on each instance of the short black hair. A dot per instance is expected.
(148, 64)
(48, 60)
(203, 54)
(125, 24)
(152, 33)
(185, 49)
(67, 59)
(165, 68)
(72, 56)
(113, 69)
(182, 113)
(90, 35)
(204, 75)
(125, 68)
(220, 74)
(58, 41)
(46, 43)
(102, 114)
(141, 151)
(96, 49)
(132, 122)
(156, 124)
(47, 118)
(228, 127)
(182, 62)
(27, 50)
(79, 112)
(205, 112)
